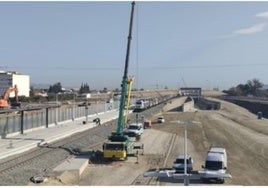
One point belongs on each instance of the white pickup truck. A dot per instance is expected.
(178, 164)
(135, 129)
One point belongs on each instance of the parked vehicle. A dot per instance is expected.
(141, 105)
(135, 129)
(115, 150)
(147, 124)
(216, 162)
(221, 151)
(178, 164)
(160, 119)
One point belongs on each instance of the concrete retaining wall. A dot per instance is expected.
(188, 106)
(205, 104)
(253, 107)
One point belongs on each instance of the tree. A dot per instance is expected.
(55, 88)
(31, 91)
(105, 90)
(242, 90)
(84, 88)
(250, 88)
(254, 85)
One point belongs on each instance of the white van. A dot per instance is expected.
(221, 151)
(216, 162)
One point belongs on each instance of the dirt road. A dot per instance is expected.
(234, 128)
(239, 131)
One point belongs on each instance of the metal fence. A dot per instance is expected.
(11, 123)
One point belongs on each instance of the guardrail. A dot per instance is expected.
(18, 120)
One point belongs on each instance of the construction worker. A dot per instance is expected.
(97, 121)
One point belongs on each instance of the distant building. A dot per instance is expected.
(190, 91)
(12, 78)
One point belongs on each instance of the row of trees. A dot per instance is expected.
(57, 88)
(251, 88)
(84, 88)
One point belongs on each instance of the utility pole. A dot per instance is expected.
(185, 124)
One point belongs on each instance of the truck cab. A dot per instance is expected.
(178, 164)
(115, 150)
(216, 162)
(135, 129)
(221, 151)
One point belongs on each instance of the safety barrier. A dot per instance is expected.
(25, 119)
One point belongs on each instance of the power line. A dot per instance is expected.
(204, 66)
(140, 68)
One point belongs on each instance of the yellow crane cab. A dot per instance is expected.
(115, 150)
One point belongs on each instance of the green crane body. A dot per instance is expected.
(119, 136)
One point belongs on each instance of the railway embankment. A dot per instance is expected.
(254, 106)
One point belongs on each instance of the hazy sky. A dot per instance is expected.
(207, 44)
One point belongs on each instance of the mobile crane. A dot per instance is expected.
(118, 145)
(4, 98)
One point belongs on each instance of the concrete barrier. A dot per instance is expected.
(188, 106)
(70, 170)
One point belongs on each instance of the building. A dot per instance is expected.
(190, 91)
(12, 78)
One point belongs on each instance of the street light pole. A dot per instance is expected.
(186, 182)
(185, 124)
(57, 102)
(73, 108)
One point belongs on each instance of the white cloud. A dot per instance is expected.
(262, 15)
(250, 30)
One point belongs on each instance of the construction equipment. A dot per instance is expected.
(184, 83)
(129, 88)
(4, 98)
(118, 145)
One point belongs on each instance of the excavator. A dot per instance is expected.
(119, 144)
(4, 98)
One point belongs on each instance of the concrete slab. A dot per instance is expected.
(71, 170)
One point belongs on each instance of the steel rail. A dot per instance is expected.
(27, 157)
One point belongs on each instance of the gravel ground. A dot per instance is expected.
(44, 165)
(239, 131)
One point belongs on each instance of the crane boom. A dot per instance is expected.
(127, 105)
(121, 121)
(185, 85)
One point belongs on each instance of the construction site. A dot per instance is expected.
(78, 160)
(186, 136)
